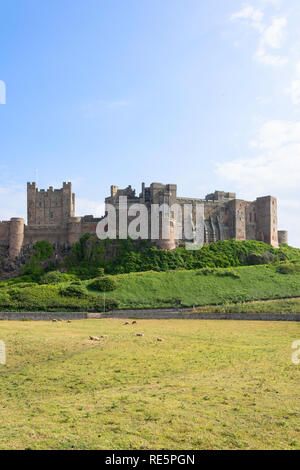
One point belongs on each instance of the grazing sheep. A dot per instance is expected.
(104, 336)
(139, 334)
(94, 338)
(159, 339)
(54, 320)
(134, 322)
(69, 321)
(126, 323)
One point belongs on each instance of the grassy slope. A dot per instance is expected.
(208, 385)
(164, 289)
(150, 289)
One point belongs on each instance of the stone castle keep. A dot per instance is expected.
(51, 217)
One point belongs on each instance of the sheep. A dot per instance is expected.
(94, 338)
(54, 320)
(104, 336)
(139, 334)
(126, 323)
(134, 322)
(159, 339)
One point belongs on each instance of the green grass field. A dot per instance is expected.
(160, 289)
(208, 385)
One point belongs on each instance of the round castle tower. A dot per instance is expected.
(283, 236)
(74, 229)
(16, 236)
(167, 244)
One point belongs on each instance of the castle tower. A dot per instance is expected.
(31, 201)
(74, 230)
(49, 207)
(266, 229)
(283, 236)
(16, 236)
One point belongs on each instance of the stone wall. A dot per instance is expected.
(148, 315)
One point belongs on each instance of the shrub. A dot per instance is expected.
(73, 291)
(21, 295)
(53, 277)
(43, 250)
(218, 272)
(288, 268)
(104, 284)
(33, 269)
(206, 272)
(4, 299)
(227, 273)
(110, 304)
(100, 272)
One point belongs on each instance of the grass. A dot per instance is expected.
(208, 385)
(286, 306)
(161, 289)
(155, 290)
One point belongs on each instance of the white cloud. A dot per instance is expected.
(275, 170)
(294, 89)
(249, 13)
(277, 164)
(275, 34)
(271, 36)
(88, 207)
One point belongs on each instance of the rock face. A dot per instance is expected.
(10, 268)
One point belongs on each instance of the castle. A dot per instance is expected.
(51, 216)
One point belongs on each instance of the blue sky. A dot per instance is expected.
(205, 94)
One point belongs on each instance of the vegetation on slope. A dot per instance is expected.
(144, 277)
(128, 256)
(208, 286)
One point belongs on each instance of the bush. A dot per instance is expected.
(218, 272)
(206, 272)
(20, 296)
(33, 269)
(288, 268)
(100, 272)
(104, 284)
(73, 291)
(53, 277)
(227, 273)
(110, 304)
(43, 250)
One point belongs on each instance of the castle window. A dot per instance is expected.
(40, 204)
(51, 215)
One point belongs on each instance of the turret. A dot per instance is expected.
(283, 236)
(74, 229)
(16, 236)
